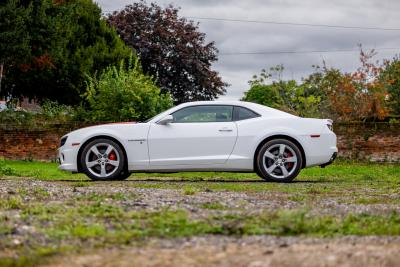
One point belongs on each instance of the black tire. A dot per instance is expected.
(95, 172)
(280, 161)
(123, 176)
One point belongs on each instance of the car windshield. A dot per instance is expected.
(149, 119)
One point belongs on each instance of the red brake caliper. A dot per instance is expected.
(289, 164)
(112, 156)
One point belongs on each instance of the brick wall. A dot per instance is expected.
(32, 143)
(373, 141)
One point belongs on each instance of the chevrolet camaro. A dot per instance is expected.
(233, 136)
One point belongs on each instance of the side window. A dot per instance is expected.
(211, 113)
(242, 113)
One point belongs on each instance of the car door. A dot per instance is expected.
(203, 134)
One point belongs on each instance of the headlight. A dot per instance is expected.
(330, 126)
(63, 140)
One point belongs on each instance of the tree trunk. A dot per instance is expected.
(1, 74)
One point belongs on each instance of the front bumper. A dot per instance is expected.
(67, 159)
(331, 160)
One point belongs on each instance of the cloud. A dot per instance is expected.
(231, 37)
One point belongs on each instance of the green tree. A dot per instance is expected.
(264, 94)
(285, 95)
(13, 36)
(124, 94)
(68, 39)
(318, 85)
(391, 76)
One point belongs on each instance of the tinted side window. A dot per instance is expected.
(244, 114)
(211, 113)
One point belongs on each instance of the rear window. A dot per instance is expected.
(242, 113)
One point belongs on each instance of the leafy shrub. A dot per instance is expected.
(123, 94)
(50, 112)
(6, 170)
(54, 110)
(288, 96)
(16, 117)
(369, 93)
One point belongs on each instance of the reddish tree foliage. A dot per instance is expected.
(171, 49)
(360, 95)
(43, 61)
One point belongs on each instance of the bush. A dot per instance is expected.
(284, 95)
(50, 112)
(6, 170)
(263, 94)
(123, 94)
(15, 117)
(54, 110)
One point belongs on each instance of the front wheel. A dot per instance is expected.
(103, 159)
(279, 160)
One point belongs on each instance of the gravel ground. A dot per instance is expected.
(153, 199)
(247, 251)
(212, 250)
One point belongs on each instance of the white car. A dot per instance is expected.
(231, 136)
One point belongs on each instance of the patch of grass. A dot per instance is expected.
(107, 224)
(5, 228)
(105, 218)
(40, 193)
(169, 224)
(41, 212)
(6, 170)
(11, 203)
(83, 231)
(70, 228)
(213, 206)
(41, 170)
(298, 198)
(189, 190)
(81, 184)
(98, 210)
(33, 258)
(299, 222)
(376, 200)
(340, 172)
(120, 196)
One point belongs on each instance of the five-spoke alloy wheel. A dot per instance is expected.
(279, 160)
(103, 159)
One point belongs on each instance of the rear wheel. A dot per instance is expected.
(279, 160)
(103, 159)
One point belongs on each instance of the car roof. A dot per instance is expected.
(260, 109)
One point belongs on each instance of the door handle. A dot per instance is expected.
(225, 130)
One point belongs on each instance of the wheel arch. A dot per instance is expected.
(78, 161)
(280, 136)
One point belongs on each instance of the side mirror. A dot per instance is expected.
(167, 119)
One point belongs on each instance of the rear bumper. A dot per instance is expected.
(332, 159)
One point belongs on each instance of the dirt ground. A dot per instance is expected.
(207, 250)
(248, 251)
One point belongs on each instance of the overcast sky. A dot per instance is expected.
(232, 37)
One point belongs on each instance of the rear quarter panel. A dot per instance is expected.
(252, 132)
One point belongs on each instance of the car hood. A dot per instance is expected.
(108, 126)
